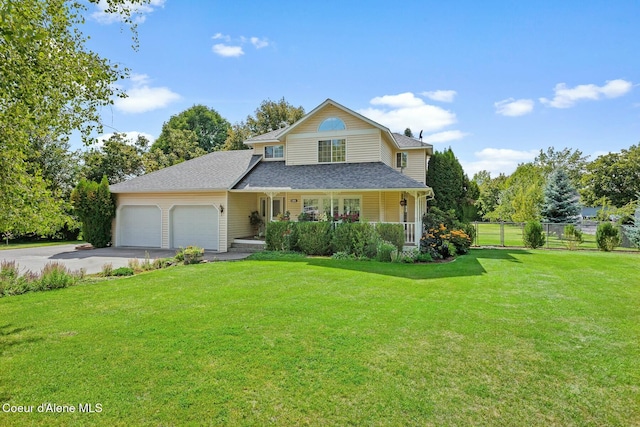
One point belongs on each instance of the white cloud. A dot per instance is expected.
(259, 43)
(513, 108)
(567, 97)
(233, 47)
(138, 11)
(141, 97)
(227, 51)
(440, 95)
(405, 110)
(446, 136)
(498, 160)
(132, 136)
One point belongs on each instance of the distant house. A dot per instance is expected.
(333, 161)
(590, 213)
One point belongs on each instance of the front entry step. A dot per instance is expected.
(242, 245)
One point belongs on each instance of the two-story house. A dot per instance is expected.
(330, 163)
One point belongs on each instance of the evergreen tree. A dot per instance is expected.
(407, 132)
(633, 231)
(95, 206)
(446, 177)
(560, 199)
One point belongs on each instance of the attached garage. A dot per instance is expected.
(194, 225)
(140, 225)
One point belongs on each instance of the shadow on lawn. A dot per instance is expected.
(466, 265)
(9, 337)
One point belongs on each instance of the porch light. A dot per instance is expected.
(403, 202)
(221, 208)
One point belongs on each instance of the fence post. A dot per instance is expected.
(477, 235)
(547, 224)
(501, 233)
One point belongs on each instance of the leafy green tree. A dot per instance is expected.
(273, 115)
(237, 135)
(560, 203)
(117, 159)
(207, 124)
(521, 198)
(573, 162)
(632, 231)
(50, 85)
(181, 145)
(614, 177)
(96, 209)
(446, 177)
(407, 132)
(490, 190)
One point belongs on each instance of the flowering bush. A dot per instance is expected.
(443, 243)
(347, 217)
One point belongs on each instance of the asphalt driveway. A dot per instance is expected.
(92, 260)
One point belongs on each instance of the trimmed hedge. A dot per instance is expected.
(314, 238)
(392, 233)
(281, 236)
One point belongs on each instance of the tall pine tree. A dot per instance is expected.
(560, 199)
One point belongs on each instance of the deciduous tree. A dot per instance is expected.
(210, 128)
(118, 159)
(614, 176)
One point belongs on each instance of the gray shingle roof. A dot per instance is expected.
(335, 176)
(269, 136)
(407, 142)
(214, 171)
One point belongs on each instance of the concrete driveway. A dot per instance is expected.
(92, 260)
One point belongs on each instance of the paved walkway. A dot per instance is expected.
(92, 260)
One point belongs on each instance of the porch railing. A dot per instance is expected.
(409, 231)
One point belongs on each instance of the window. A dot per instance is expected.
(344, 208)
(274, 152)
(401, 160)
(332, 151)
(332, 123)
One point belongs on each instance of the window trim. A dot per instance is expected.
(273, 158)
(338, 119)
(331, 152)
(321, 198)
(402, 157)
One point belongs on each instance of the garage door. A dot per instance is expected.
(194, 225)
(140, 226)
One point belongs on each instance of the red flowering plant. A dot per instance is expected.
(347, 217)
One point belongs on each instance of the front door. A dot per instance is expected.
(267, 212)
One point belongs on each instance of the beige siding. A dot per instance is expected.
(416, 165)
(370, 206)
(350, 121)
(363, 139)
(167, 200)
(240, 206)
(392, 207)
(387, 154)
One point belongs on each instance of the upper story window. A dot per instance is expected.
(332, 151)
(332, 123)
(401, 160)
(274, 152)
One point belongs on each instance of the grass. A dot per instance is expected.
(498, 337)
(489, 234)
(26, 245)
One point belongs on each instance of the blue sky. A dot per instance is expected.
(495, 80)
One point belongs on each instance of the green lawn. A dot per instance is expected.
(489, 234)
(4, 245)
(498, 337)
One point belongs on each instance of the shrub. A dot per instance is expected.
(54, 276)
(343, 255)
(533, 236)
(134, 264)
(386, 251)
(281, 236)
(123, 271)
(95, 206)
(407, 257)
(159, 263)
(193, 255)
(179, 256)
(572, 237)
(314, 238)
(357, 238)
(607, 236)
(107, 269)
(392, 233)
(423, 257)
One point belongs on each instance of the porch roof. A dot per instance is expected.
(335, 176)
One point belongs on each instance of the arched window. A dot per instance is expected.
(332, 123)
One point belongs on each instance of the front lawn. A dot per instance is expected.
(497, 337)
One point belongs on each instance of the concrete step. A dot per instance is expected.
(260, 245)
(233, 249)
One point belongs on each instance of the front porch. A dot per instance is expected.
(384, 206)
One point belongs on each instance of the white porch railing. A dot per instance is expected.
(409, 231)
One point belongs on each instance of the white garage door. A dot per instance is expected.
(194, 225)
(140, 226)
